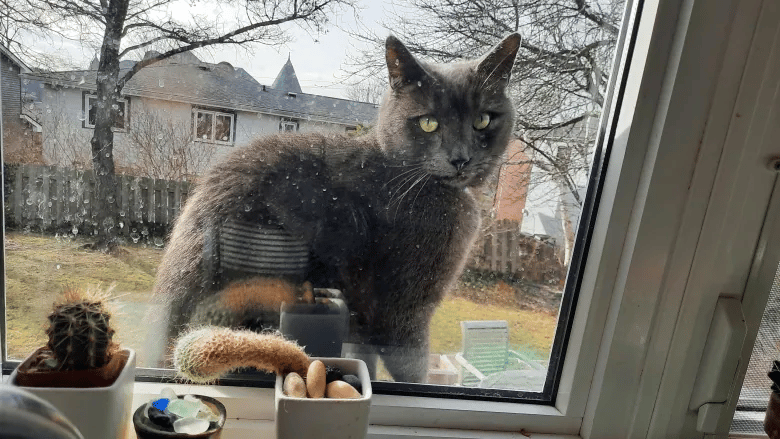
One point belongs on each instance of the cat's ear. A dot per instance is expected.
(496, 66)
(401, 65)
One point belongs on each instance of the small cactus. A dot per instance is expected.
(80, 336)
(205, 354)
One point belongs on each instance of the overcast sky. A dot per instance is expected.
(317, 60)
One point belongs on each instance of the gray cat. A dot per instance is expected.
(387, 217)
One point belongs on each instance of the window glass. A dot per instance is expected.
(435, 237)
(92, 109)
(204, 126)
(224, 123)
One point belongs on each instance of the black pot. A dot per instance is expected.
(146, 429)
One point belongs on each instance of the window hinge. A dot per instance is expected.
(719, 363)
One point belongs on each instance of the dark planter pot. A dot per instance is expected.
(146, 429)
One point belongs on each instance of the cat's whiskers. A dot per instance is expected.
(413, 169)
(416, 173)
(420, 176)
(427, 177)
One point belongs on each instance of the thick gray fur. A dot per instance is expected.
(390, 215)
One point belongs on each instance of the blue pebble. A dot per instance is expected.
(161, 404)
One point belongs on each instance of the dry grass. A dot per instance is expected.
(39, 268)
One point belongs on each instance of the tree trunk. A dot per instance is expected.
(105, 209)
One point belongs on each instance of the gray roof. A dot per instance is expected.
(222, 86)
(7, 52)
(287, 80)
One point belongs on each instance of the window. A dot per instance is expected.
(596, 277)
(213, 126)
(91, 106)
(288, 125)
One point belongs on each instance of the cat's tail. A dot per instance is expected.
(205, 354)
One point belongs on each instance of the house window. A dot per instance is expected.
(91, 106)
(288, 125)
(213, 126)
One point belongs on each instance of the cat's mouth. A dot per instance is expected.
(460, 179)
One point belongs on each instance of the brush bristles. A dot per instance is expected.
(203, 355)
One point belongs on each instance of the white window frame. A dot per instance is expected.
(124, 101)
(677, 170)
(285, 122)
(214, 115)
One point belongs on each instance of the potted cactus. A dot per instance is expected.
(81, 370)
(320, 398)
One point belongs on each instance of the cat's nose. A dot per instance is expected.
(459, 163)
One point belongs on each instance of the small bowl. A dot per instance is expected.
(146, 429)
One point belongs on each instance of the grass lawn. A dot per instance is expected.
(38, 268)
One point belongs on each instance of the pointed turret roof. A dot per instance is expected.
(287, 80)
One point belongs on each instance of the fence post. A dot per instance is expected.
(18, 200)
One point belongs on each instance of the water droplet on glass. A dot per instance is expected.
(161, 82)
(247, 208)
(419, 83)
(29, 201)
(58, 265)
(159, 242)
(75, 231)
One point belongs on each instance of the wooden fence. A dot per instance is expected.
(53, 198)
(506, 250)
(49, 198)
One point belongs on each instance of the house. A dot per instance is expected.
(21, 134)
(554, 194)
(180, 107)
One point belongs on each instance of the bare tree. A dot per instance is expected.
(368, 90)
(122, 29)
(558, 84)
(164, 148)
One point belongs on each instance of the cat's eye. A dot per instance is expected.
(482, 121)
(428, 124)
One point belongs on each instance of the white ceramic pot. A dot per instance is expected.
(325, 418)
(98, 412)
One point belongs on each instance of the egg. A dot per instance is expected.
(341, 390)
(315, 379)
(294, 385)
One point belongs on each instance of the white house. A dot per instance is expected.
(210, 108)
(554, 196)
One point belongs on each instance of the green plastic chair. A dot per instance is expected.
(486, 351)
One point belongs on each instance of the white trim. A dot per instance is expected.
(693, 230)
(287, 122)
(391, 416)
(36, 126)
(125, 115)
(214, 114)
(7, 52)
